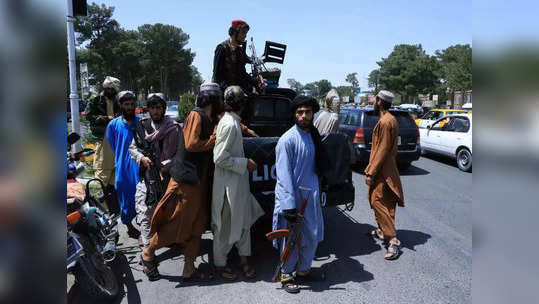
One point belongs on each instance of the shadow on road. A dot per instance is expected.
(411, 238)
(441, 159)
(413, 170)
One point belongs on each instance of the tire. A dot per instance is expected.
(95, 278)
(464, 160)
(404, 166)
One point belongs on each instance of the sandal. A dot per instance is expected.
(374, 234)
(150, 269)
(226, 273)
(310, 277)
(248, 271)
(198, 276)
(393, 250)
(288, 283)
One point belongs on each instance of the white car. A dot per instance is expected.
(172, 111)
(450, 136)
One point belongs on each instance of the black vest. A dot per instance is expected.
(187, 166)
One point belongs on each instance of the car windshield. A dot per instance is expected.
(172, 109)
(404, 119)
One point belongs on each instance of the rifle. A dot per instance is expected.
(291, 235)
(257, 66)
(155, 189)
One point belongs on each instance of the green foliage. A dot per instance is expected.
(295, 85)
(152, 58)
(187, 103)
(374, 79)
(352, 79)
(319, 88)
(455, 68)
(409, 71)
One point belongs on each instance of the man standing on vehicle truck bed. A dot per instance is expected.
(230, 60)
(382, 175)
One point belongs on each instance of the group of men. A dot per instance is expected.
(176, 180)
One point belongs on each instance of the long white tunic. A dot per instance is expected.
(231, 178)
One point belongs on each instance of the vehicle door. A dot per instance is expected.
(434, 134)
(429, 118)
(454, 134)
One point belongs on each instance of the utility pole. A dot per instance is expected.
(73, 96)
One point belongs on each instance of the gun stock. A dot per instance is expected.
(277, 234)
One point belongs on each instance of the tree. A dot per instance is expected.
(295, 85)
(323, 86)
(152, 58)
(319, 88)
(352, 79)
(344, 91)
(409, 71)
(374, 78)
(456, 68)
(166, 58)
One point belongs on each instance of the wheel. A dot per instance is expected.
(404, 166)
(464, 160)
(95, 278)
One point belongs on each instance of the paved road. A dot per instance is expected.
(435, 267)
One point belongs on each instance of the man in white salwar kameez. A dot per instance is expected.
(234, 208)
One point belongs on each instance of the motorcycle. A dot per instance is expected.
(92, 235)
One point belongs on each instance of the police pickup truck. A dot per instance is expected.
(269, 116)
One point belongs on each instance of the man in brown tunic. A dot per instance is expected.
(182, 214)
(382, 175)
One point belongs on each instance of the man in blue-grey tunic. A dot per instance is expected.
(300, 158)
(120, 135)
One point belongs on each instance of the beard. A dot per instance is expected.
(376, 108)
(304, 124)
(128, 115)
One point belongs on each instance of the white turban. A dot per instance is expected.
(333, 100)
(111, 82)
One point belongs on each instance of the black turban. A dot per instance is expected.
(302, 100)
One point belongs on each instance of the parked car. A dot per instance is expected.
(450, 136)
(359, 123)
(141, 107)
(172, 112)
(435, 114)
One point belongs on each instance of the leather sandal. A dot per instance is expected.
(288, 283)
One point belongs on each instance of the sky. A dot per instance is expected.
(325, 39)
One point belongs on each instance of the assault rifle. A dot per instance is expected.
(155, 188)
(273, 52)
(292, 236)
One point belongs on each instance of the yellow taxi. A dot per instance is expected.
(435, 114)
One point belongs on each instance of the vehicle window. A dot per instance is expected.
(342, 117)
(404, 120)
(354, 118)
(436, 115)
(459, 124)
(263, 110)
(370, 120)
(441, 124)
(431, 115)
(282, 111)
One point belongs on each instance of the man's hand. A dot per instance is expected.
(291, 215)
(147, 162)
(368, 180)
(252, 133)
(251, 165)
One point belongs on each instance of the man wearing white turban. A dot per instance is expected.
(100, 110)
